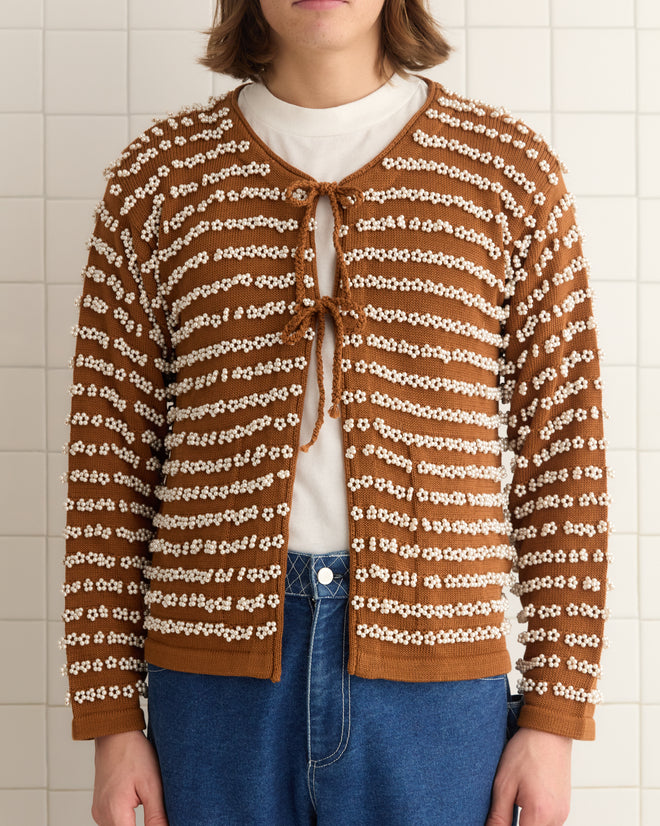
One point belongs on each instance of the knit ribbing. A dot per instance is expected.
(461, 258)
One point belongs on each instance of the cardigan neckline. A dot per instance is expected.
(434, 89)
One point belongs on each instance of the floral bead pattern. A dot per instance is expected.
(466, 374)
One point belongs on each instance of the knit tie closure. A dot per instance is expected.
(304, 316)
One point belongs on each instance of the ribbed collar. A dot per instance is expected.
(258, 103)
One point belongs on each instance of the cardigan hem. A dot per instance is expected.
(208, 661)
(425, 669)
(416, 669)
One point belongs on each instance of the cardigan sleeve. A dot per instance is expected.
(558, 498)
(117, 422)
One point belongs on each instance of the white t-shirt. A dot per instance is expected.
(328, 145)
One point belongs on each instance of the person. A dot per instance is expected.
(318, 602)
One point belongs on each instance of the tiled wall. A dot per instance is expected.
(80, 78)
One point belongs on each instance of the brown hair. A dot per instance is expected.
(239, 42)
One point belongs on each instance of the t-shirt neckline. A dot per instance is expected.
(258, 103)
(434, 88)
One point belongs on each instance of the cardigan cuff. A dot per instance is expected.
(89, 726)
(579, 728)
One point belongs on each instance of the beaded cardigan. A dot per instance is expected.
(466, 373)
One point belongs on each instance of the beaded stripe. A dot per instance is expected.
(465, 372)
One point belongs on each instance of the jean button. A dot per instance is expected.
(325, 576)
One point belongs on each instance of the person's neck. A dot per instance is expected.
(320, 83)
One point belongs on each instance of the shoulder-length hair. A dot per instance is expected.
(239, 42)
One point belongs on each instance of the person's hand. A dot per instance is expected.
(534, 772)
(127, 774)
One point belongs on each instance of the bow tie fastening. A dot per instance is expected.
(304, 315)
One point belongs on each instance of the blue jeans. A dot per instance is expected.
(323, 746)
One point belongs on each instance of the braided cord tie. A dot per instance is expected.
(305, 314)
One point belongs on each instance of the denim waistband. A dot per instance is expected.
(302, 574)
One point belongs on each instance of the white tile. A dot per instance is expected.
(622, 572)
(23, 763)
(507, 13)
(21, 142)
(615, 310)
(620, 662)
(141, 122)
(86, 73)
(55, 577)
(648, 13)
(23, 807)
(509, 67)
(21, 13)
(649, 221)
(650, 746)
(22, 560)
(649, 576)
(601, 295)
(448, 12)
(57, 466)
(650, 664)
(67, 808)
(594, 70)
(648, 56)
(23, 653)
(649, 408)
(600, 152)
(170, 78)
(23, 422)
(612, 760)
(601, 220)
(58, 382)
(516, 649)
(225, 83)
(649, 168)
(650, 807)
(78, 149)
(451, 73)
(21, 241)
(23, 493)
(70, 762)
(623, 489)
(62, 317)
(69, 225)
(620, 402)
(57, 684)
(85, 14)
(592, 13)
(649, 491)
(20, 59)
(649, 329)
(21, 325)
(540, 122)
(605, 807)
(169, 14)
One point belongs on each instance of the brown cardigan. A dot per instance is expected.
(464, 328)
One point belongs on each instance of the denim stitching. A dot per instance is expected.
(310, 762)
(344, 673)
(322, 760)
(304, 579)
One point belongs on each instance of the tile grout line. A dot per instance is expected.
(551, 52)
(640, 653)
(44, 262)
